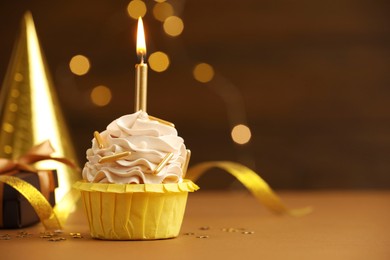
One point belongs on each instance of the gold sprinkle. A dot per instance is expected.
(202, 236)
(162, 121)
(46, 236)
(230, 230)
(205, 228)
(98, 139)
(163, 163)
(114, 157)
(189, 234)
(47, 233)
(185, 165)
(57, 239)
(76, 235)
(5, 237)
(247, 232)
(23, 234)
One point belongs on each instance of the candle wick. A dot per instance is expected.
(141, 56)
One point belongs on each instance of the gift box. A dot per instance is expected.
(17, 212)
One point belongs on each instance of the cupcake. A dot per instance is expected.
(133, 185)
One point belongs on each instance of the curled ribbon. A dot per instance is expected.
(40, 204)
(252, 181)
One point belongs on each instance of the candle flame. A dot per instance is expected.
(141, 45)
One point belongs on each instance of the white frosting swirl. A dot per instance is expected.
(149, 141)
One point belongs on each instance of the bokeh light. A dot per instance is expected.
(158, 61)
(203, 72)
(160, 1)
(173, 26)
(79, 65)
(136, 9)
(241, 134)
(101, 96)
(162, 11)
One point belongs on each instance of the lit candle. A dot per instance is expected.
(141, 70)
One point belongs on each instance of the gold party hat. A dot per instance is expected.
(29, 108)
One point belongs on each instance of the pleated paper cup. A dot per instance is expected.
(135, 211)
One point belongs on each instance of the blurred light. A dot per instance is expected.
(160, 1)
(241, 134)
(158, 61)
(203, 72)
(101, 96)
(79, 65)
(173, 26)
(162, 11)
(136, 9)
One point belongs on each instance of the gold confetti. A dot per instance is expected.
(230, 230)
(50, 234)
(57, 239)
(76, 235)
(114, 157)
(46, 236)
(205, 228)
(23, 234)
(202, 236)
(161, 121)
(189, 234)
(247, 232)
(163, 163)
(5, 237)
(98, 139)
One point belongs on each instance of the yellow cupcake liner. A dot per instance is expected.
(135, 211)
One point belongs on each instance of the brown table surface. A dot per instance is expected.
(343, 225)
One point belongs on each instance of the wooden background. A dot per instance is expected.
(311, 79)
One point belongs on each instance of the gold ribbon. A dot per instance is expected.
(41, 206)
(252, 181)
(38, 201)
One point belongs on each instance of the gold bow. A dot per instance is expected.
(37, 200)
(37, 153)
